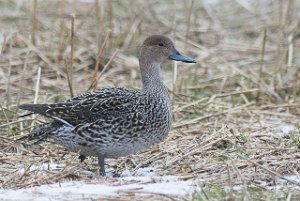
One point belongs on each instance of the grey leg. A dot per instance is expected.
(101, 164)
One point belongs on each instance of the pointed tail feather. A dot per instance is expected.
(43, 109)
(37, 136)
(36, 108)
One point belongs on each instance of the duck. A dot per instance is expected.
(113, 122)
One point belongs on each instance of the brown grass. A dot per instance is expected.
(227, 107)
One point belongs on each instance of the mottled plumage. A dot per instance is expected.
(114, 122)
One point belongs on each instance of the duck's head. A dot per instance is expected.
(158, 49)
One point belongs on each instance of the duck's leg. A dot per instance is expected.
(82, 158)
(101, 164)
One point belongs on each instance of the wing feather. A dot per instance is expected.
(89, 106)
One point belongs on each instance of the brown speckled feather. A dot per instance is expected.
(88, 107)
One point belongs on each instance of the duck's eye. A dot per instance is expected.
(161, 44)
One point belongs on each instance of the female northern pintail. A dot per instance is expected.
(114, 122)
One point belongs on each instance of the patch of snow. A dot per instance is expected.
(78, 189)
(148, 171)
(144, 172)
(143, 184)
(142, 181)
(126, 173)
(284, 129)
(290, 177)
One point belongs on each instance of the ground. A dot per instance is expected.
(236, 112)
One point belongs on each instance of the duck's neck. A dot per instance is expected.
(151, 76)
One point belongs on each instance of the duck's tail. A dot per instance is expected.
(37, 135)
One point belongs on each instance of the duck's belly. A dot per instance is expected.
(110, 149)
(131, 146)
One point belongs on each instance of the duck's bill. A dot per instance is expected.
(180, 57)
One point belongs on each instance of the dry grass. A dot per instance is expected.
(227, 107)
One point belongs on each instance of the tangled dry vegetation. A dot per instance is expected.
(231, 109)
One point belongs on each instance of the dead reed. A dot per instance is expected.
(231, 109)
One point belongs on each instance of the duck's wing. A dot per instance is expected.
(88, 107)
(112, 129)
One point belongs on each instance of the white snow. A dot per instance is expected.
(294, 178)
(140, 182)
(148, 171)
(79, 189)
(143, 184)
(284, 129)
